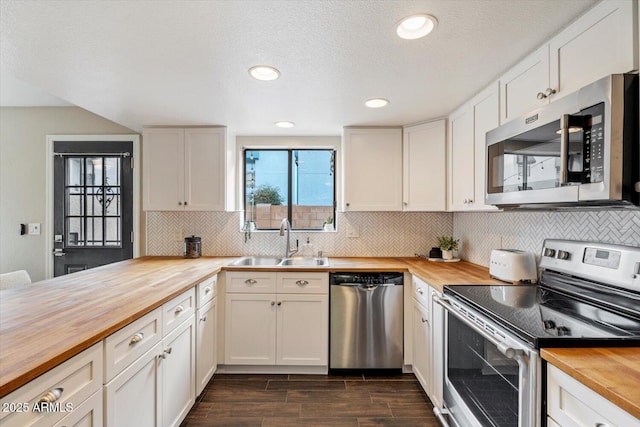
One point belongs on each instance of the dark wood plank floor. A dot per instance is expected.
(312, 400)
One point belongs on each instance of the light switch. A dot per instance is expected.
(353, 231)
(34, 228)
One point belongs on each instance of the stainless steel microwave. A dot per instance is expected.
(581, 150)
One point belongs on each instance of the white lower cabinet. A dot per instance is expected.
(57, 393)
(437, 352)
(88, 414)
(206, 344)
(158, 388)
(572, 404)
(421, 345)
(278, 328)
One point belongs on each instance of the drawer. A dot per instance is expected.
(421, 292)
(303, 283)
(59, 390)
(254, 282)
(129, 343)
(206, 290)
(178, 310)
(572, 404)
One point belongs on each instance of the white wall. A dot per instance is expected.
(23, 134)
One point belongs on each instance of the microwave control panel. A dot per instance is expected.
(593, 144)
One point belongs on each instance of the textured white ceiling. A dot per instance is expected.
(144, 63)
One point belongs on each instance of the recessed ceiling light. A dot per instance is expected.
(264, 72)
(284, 124)
(376, 102)
(416, 26)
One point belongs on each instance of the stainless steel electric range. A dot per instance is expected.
(588, 295)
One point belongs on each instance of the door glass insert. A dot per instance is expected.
(93, 215)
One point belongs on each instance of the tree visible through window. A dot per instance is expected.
(295, 184)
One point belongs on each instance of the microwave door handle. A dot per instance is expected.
(564, 149)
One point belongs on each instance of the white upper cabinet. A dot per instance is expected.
(486, 116)
(424, 171)
(599, 43)
(461, 158)
(372, 169)
(184, 169)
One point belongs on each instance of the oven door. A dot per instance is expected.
(490, 378)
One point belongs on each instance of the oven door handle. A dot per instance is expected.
(508, 351)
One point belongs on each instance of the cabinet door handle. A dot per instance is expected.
(302, 283)
(179, 309)
(420, 291)
(541, 96)
(207, 290)
(51, 396)
(185, 203)
(203, 319)
(273, 303)
(251, 281)
(179, 203)
(423, 320)
(279, 303)
(136, 338)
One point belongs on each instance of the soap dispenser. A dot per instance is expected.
(307, 250)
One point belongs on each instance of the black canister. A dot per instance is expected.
(435, 253)
(192, 247)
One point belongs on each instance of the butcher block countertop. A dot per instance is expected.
(614, 373)
(48, 322)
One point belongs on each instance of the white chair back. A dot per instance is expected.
(14, 279)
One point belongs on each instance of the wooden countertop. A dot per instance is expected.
(614, 373)
(46, 323)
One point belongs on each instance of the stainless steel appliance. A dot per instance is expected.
(579, 150)
(589, 295)
(366, 326)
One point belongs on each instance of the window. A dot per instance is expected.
(295, 184)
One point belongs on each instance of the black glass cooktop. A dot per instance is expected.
(543, 316)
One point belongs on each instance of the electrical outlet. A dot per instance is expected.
(353, 231)
(34, 228)
(177, 237)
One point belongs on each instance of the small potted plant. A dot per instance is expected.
(328, 224)
(448, 245)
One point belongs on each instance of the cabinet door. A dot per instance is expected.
(132, 399)
(205, 168)
(461, 158)
(519, 87)
(421, 346)
(424, 171)
(372, 169)
(250, 329)
(302, 329)
(437, 353)
(178, 373)
(596, 45)
(206, 349)
(486, 116)
(87, 414)
(163, 169)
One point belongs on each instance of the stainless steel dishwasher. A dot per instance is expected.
(366, 316)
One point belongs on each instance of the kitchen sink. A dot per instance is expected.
(260, 261)
(301, 261)
(257, 261)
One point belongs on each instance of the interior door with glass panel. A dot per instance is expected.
(93, 204)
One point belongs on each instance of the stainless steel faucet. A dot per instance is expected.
(286, 225)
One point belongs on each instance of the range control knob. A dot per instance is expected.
(563, 331)
(549, 324)
(549, 252)
(563, 255)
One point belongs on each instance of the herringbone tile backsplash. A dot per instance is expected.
(396, 233)
(381, 234)
(479, 232)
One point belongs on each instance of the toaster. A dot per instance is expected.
(513, 266)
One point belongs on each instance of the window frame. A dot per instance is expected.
(289, 192)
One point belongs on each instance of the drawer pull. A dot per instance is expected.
(602, 425)
(207, 290)
(251, 281)
(51, 396)
(420, 291)
(179, 309)
(136, 338)
(302, 283)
